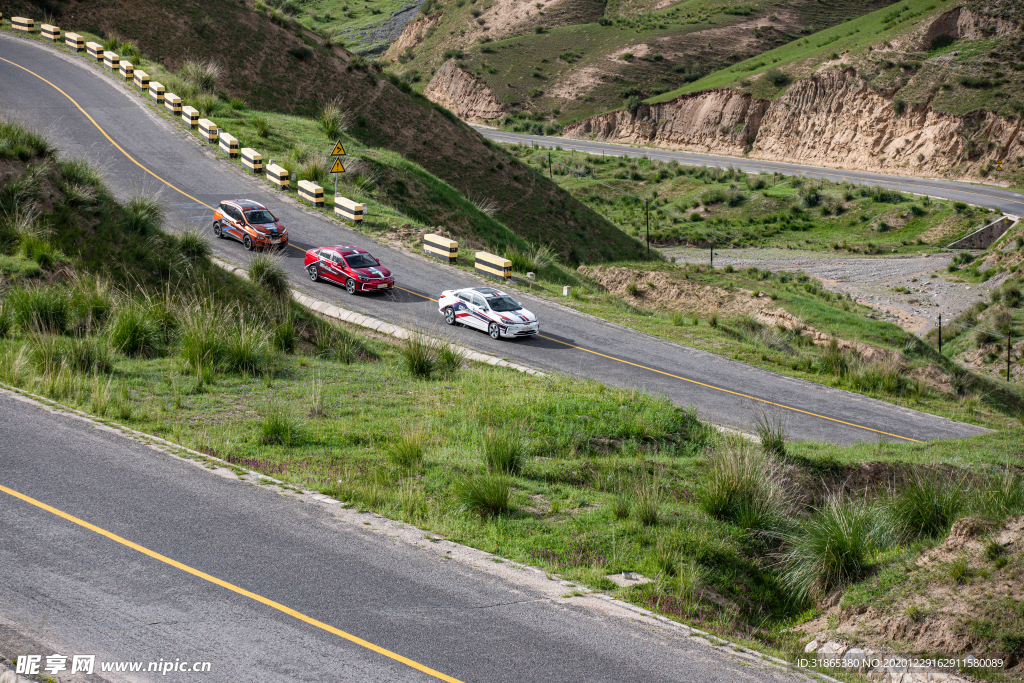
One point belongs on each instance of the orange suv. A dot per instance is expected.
(250, 223)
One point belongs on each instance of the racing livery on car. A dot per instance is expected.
(487, 309)
(250, 223)
(354, 268)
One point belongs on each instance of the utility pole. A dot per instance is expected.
(550, 177)
(940, 334)
(712, 254)
(1009, 345)
(647, 220)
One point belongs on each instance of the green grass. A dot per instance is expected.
(528, 66)
(692, 206)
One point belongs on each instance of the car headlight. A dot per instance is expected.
(362, 278)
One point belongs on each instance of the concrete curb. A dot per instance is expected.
(331, 311)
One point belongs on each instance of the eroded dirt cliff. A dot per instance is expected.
(463, 93)
(830, 118)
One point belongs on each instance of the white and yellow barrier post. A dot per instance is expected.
(229, 145)
(50, 32)
(141, 79)
(311, 193)
(74, 41)
(252, 160)
(349, 211)
(494, 267)
(190, 117)
(208, 131)
(112, 60)
(173, 104)
(156, 92)
(441, 248)
(127, 70)
(23, 24)
(277, 176)
(94, 51)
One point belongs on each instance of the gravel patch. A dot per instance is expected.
(870, 280)
(382, 34)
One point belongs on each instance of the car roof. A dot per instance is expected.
(489, 292)
(347, 249)
(246, 204)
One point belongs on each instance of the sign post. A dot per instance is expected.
(999, 167)
(338, 151)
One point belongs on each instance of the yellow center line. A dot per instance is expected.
(231, 587)
(702, 384)
(768, 164)
(100, 129)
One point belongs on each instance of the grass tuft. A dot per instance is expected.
(504, 450)
(832, 548)
(486, 495)
(928, 505)
(265, 271)
(279, 426)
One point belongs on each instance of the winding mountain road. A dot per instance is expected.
(87, 113)
(989, 196)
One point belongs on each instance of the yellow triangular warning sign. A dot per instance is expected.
(338, 150)
(338, 168)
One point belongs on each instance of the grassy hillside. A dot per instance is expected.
(892, 49)
(302, 75)
(565, 60)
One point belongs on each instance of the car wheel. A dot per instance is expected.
(247, 243)
(350, 286)
(218, 230)
(449, 315)
(493, 330)
(314, 274)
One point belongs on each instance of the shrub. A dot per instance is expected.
(194, 245)
(132, 331)
(771, 431)
(246, 347)
(87, 354)
(976, 82)
(201, 74)
(743, 486)
(504, 451)
(899, 106)
(47, 309)
(927, 506)
(810, 196)
(301, 52)
(419, 355)
(317, 169)
(265, 272)
(262, 126)
(834, 360)
(830, 549)
(777, 77)
(408, 452)
(143, 215)
(633, 104)
(487, 495)
(449, 358)
(200, 340)
(333, 118)
(278, 426)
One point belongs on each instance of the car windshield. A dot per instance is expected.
(258, 216)
(360, 261)
(504, 303)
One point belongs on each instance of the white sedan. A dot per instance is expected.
(487, 309)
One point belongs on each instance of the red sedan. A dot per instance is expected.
(354, 268)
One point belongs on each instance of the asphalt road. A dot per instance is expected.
(988, 196)
(726, 392)
(72, 590)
